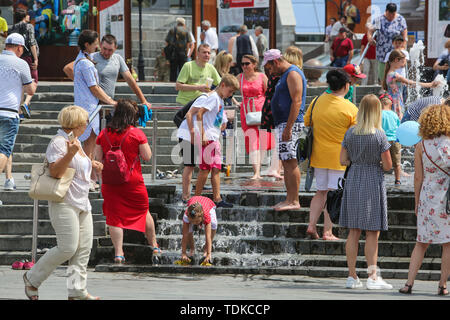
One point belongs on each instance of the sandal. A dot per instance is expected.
(442, 291)
(398, 182)
(30, 293)
(156, 250)
(406, 291)
(119, 259)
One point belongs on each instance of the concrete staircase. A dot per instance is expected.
(154, 32)
(251, 238)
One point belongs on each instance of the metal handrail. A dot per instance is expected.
(155, 110)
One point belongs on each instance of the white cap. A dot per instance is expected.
(15, 38)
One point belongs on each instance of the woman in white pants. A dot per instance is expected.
(71, 219)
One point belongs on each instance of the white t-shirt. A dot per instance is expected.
(212, 119)
(212, 39)
(14, 74)
(401, 71)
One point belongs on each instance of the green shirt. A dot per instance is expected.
(348, 96)
(191, 73)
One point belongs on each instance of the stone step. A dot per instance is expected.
(25, 227)
(68, 97)
(265, 214)
(320, 272)
(121, 87)
(270, 245)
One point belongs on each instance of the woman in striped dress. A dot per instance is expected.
(364, 202)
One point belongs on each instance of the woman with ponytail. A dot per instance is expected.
(393, 81)
(87, 92)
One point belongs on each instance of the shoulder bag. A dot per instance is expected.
(334, 198)
(447, 206)
(45, 187)
(252, 118)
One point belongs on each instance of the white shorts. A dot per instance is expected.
(212, 213)
(327, 179)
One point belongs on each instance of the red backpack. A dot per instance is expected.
(115, 167)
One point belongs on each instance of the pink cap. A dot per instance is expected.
(270, 55)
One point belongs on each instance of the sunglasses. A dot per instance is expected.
(246, 63)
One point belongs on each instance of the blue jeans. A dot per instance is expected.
(340, 62)
(9, 127)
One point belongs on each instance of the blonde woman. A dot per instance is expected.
(364, 202)
(431, 181)
(223, 62)
(71, 219)
(294, 56)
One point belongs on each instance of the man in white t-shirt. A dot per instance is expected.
(202, 128)
(211, 39)
(16, 77)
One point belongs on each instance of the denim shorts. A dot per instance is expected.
(9, 127)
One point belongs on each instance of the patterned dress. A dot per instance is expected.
(394, 89)
(433, 224)
(364, 202)
(387, 30)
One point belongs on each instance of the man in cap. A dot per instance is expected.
(341, 51)
(16, 77)
(287, 106)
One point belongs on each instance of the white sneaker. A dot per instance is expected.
(378, 284)
(353, 283)
(9, 185)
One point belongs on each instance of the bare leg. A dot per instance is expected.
(416, 261)
(117, 239)
(328, 227)
(371, 252)
(3, 162)
(150, 230)
(292, 183)
(316, 207)
(201, 181)
(187, 177)
(88, 148)
(215, 181)
(397, 172)
(445, 265)
(8, 168)
(255, 160)
(351, 251)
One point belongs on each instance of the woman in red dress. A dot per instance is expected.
(126, 205)
(253, 89)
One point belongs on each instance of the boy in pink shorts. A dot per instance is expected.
(205, 121)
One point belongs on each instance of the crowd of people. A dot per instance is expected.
(272, 85)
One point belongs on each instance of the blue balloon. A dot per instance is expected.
(408, 133)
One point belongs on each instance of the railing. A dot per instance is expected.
(155, 111)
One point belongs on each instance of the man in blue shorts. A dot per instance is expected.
(16, 76)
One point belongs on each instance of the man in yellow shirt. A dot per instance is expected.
(332, 116)
(3, 31)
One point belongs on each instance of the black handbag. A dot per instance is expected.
(305, 141)
(334, 198)
(447, 31)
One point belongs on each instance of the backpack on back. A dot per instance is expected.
(115, 167)
(21, 28)
(181, 114)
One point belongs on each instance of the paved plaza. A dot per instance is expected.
(144, 286)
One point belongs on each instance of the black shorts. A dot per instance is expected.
(188, 152)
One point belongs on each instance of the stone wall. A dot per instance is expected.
(285, 25)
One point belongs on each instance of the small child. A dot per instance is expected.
(393, 81)
(390, 122)
(398, 42)
(201, 211)
(162, 68)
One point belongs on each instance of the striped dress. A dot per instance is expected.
(364, 202)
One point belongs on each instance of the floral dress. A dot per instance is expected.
(433, 223)
(395, 90)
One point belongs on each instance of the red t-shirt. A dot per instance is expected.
(344, 48)
(371, 52)
(207, 205)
